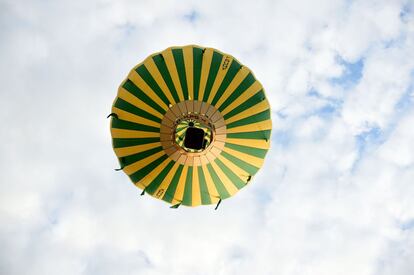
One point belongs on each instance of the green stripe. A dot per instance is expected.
(223, 193)
(140, 174)
(127, 142)
(179, 63)
(188, 188)
(197, 64)
(257, 152)
(155, 183)
(137, 92)
(181, 135)
(262, 116)
(128, 125)
(205, 196)
(181, 132)
(241, 163)
(265, 134)
(127, 160)
(162, 68)
(244, 85)
(255, 99)
(147, 77)
(214, 67)
(172, 187)
(178, 129)
(234, 68)
(230, 174)
(128, 107)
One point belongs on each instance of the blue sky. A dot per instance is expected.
(335, 193)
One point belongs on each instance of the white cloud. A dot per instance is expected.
(324, 203)
(387, 76)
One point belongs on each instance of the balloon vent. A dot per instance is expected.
(194, 138)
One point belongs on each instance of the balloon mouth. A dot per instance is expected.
(193, 132)
(193, 135)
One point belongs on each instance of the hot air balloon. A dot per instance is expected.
(190, 125)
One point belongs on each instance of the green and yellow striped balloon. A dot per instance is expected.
(190, 125)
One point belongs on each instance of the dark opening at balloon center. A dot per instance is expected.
(192, 135)
(194, 138)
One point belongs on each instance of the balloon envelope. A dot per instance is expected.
(190, 125)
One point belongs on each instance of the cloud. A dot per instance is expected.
(334, 195)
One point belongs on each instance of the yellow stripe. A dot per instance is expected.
(255, 161)
(211, 187)
(128, 97)
(169, 61)
(253, 127)
(219, 78)
(181, 132)
(240, 76)
(255, 109)
(124, 115)
(205, 69)
(179, 192)
(188, 63)
(196, 198)
(243, 175)
(256, 143)
(126, 151)
(132, 168)
(228, 184)
(144, 182)
(122, 133)
(153, 69)
(251, 91)
(140, 83)
(159, 193)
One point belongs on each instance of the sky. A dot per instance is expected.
(335, 195)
